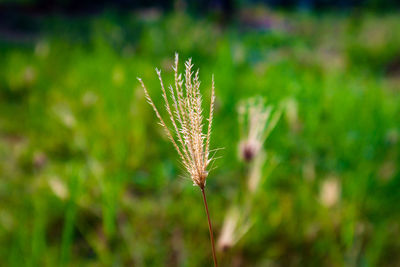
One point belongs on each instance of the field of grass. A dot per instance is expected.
(87, 177)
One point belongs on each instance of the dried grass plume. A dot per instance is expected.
(184, 108)
(256, 121)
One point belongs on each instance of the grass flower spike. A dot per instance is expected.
(186, 118)
(183, 103)
(256, 123)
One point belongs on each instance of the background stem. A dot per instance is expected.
(209, 227)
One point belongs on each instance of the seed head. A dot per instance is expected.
(186, 117)
(256, 122)
(236, 225)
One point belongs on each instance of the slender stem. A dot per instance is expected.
(209, 227)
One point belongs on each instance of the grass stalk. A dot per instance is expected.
(209, 227)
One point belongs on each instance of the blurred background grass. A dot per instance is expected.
(89, 179)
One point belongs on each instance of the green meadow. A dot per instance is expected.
(88, 177)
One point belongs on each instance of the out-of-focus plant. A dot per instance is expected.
(256, 122)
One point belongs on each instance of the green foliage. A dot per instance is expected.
(88, 178)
